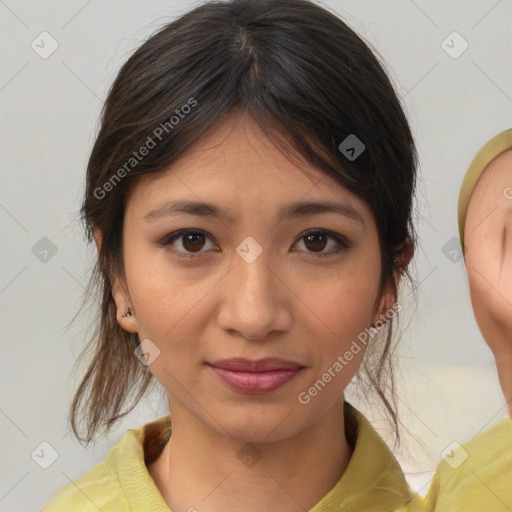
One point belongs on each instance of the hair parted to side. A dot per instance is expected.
(309, 81)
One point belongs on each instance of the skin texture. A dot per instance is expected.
(288, 303)
(488, 257)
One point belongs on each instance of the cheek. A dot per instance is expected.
(171, 312)
(164, 294)
(340, 341)
(344, 308)
(352, 295)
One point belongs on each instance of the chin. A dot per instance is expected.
(259, 425)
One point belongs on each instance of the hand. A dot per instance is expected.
(488, 258)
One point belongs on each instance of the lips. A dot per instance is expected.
(261, 365)
(255, 376)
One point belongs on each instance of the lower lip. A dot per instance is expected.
(255, 383)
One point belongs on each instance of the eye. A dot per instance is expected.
(191, 241)
(317, 240)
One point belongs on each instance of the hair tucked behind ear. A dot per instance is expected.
(113, 371)
(309, 81)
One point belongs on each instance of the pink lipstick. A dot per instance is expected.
(255, 376)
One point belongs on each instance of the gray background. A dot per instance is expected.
(50, 109)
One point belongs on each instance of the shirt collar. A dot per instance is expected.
(373, 479)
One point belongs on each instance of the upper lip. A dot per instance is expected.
(260, 365)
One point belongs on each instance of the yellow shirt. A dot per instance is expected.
(372, 481)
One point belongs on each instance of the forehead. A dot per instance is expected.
(236, 163)
(237, 147)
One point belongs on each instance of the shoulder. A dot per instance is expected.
(98, 489)
(476, 475)
(121, 482)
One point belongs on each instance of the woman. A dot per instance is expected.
(249, 194)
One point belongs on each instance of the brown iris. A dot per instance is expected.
(314, 238)
(190, 241)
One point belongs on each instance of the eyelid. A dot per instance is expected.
(342, 241)
(175, 235)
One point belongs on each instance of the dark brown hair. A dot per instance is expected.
(309, 81)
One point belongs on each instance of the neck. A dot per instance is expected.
(204, 470)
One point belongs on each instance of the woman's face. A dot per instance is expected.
(250, 284)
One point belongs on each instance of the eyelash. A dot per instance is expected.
(343, 243)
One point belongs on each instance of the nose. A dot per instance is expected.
(256, 303)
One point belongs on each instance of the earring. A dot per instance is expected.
(127, 313)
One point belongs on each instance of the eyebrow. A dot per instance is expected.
(287, 211)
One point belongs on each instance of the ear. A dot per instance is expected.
(120, 295)
(402, 257)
